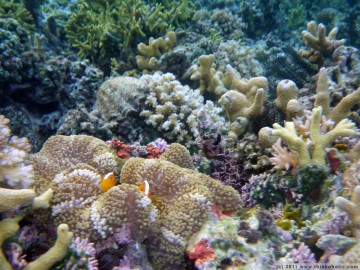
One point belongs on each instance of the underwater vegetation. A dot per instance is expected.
(178, 135)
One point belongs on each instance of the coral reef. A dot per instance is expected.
(151, 147)
(102, 30)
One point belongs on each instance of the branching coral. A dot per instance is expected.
(343, 108)
(16, 10)
(150, 53)
(319, 43)
(352, 208)
(315, 152)
(171, 107)
(103, 29)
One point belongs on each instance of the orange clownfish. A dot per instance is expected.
(108, 181)
(145, 187)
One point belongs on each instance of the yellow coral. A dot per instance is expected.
(150, 53)
(319, 43)
(316, 153)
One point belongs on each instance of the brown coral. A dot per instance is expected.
(63, 152)
(183, 198)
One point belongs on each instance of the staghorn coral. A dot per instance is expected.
(171, 107)
(319, 43)
(104, 29)
(17, 11)
(317, 138)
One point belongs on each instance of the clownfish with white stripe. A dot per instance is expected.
(108, 181)
(145, 187)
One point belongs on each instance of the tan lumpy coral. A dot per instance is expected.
(179, 155)
(248, 87)
(63, 152)
(75, 189)
(285, 90)
(183, 197)
(238, 105)
(124, 212)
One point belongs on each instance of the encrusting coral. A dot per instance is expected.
(315, 152)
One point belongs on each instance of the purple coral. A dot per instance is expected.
(83, 255)
(161, 144)
(302, 255)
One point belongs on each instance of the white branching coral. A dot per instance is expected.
(171, 107)
(283, 159)
(15, 170)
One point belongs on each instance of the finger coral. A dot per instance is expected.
(318, 139)
(149, 53)
(319, 43)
